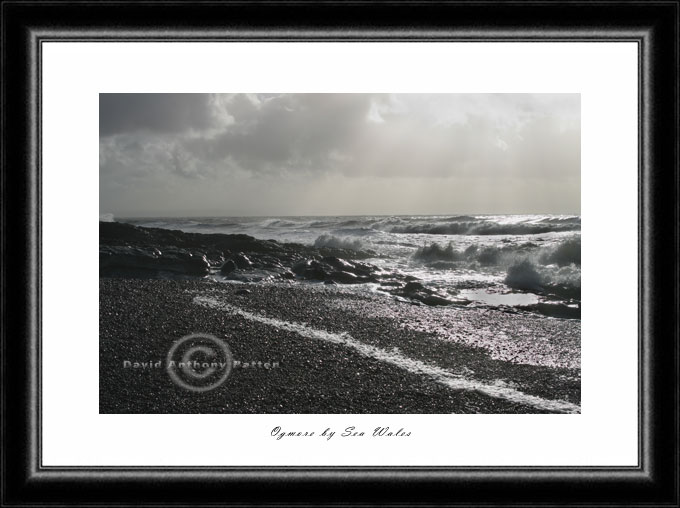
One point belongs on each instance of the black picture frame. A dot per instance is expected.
(653, 25)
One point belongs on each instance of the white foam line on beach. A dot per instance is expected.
(394, 357)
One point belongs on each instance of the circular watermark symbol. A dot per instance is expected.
(199, 362)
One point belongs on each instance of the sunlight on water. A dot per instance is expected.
(499, 298)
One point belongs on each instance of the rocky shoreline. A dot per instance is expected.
(132, 251)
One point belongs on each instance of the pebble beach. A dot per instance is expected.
(316, 348)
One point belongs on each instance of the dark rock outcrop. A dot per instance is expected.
(228, 267)
(416, 291)
(135, 260)
(132, 251)
(331, 268)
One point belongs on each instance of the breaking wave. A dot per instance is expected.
(484, 256)
(486, 228)
(528, 266)
(335, 242)
(566, 253)
(563, 281)
(523, 275)
(436, 252)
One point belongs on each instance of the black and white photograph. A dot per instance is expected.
(340, 253)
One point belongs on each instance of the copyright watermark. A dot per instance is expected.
(199, 362)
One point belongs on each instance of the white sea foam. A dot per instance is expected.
(327, 240)
(395, 357)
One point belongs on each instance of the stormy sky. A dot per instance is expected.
(338, 154)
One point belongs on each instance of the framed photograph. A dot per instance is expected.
(336, 253)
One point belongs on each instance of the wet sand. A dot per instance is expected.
(336, 350)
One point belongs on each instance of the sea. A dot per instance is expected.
(484, 260)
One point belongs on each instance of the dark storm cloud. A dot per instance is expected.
(162, 113)
(523, 148)
(287, 132)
